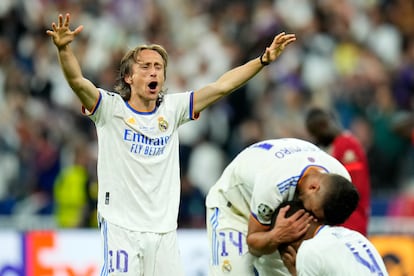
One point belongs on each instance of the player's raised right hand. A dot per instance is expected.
(292, 228)
(61, 33)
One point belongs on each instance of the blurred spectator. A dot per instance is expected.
(403, 125)
(403, 84)
(247, 133)
(344, 146)
(403, 203)
(75, 192)
(192, 207)
(47, 167)
(394, 265)
(389, 150)
(283, 109)
(206, 163)
(383, 38)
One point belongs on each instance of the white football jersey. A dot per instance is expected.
(138, 161)
(266, 174)
(339, 251)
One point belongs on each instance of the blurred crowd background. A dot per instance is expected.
(355, 57)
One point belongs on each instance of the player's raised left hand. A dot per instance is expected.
(278, 45)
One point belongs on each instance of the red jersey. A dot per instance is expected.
(349, 151)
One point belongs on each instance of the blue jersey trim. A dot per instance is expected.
(255, 217)
(92, 112)
(192, 115)
(139, 112)
(285, 185)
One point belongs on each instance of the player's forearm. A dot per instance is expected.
(227, 83)
(238, 76)
(83, 88)
(70, 67)
(262, 243)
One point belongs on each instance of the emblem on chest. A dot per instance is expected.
(162, 124)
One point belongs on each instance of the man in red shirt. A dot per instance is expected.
(345, 147)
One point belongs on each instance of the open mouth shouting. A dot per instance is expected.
(153, 86)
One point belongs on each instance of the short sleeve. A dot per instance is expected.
(265, 199)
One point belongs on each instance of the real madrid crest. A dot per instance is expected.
(162, 124)
(226, 267)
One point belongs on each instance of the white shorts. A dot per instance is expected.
(227, 243)
(139, 253)
(227, 232)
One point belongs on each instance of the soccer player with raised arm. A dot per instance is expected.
(138, 148)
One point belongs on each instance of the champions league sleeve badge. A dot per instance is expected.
(264, 212)
(162, 124)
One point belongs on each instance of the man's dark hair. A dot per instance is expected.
(340, 201)
(315, 115)
(295, 205)
(322, 125)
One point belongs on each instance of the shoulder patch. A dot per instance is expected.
(349, 156)
(264, 212)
